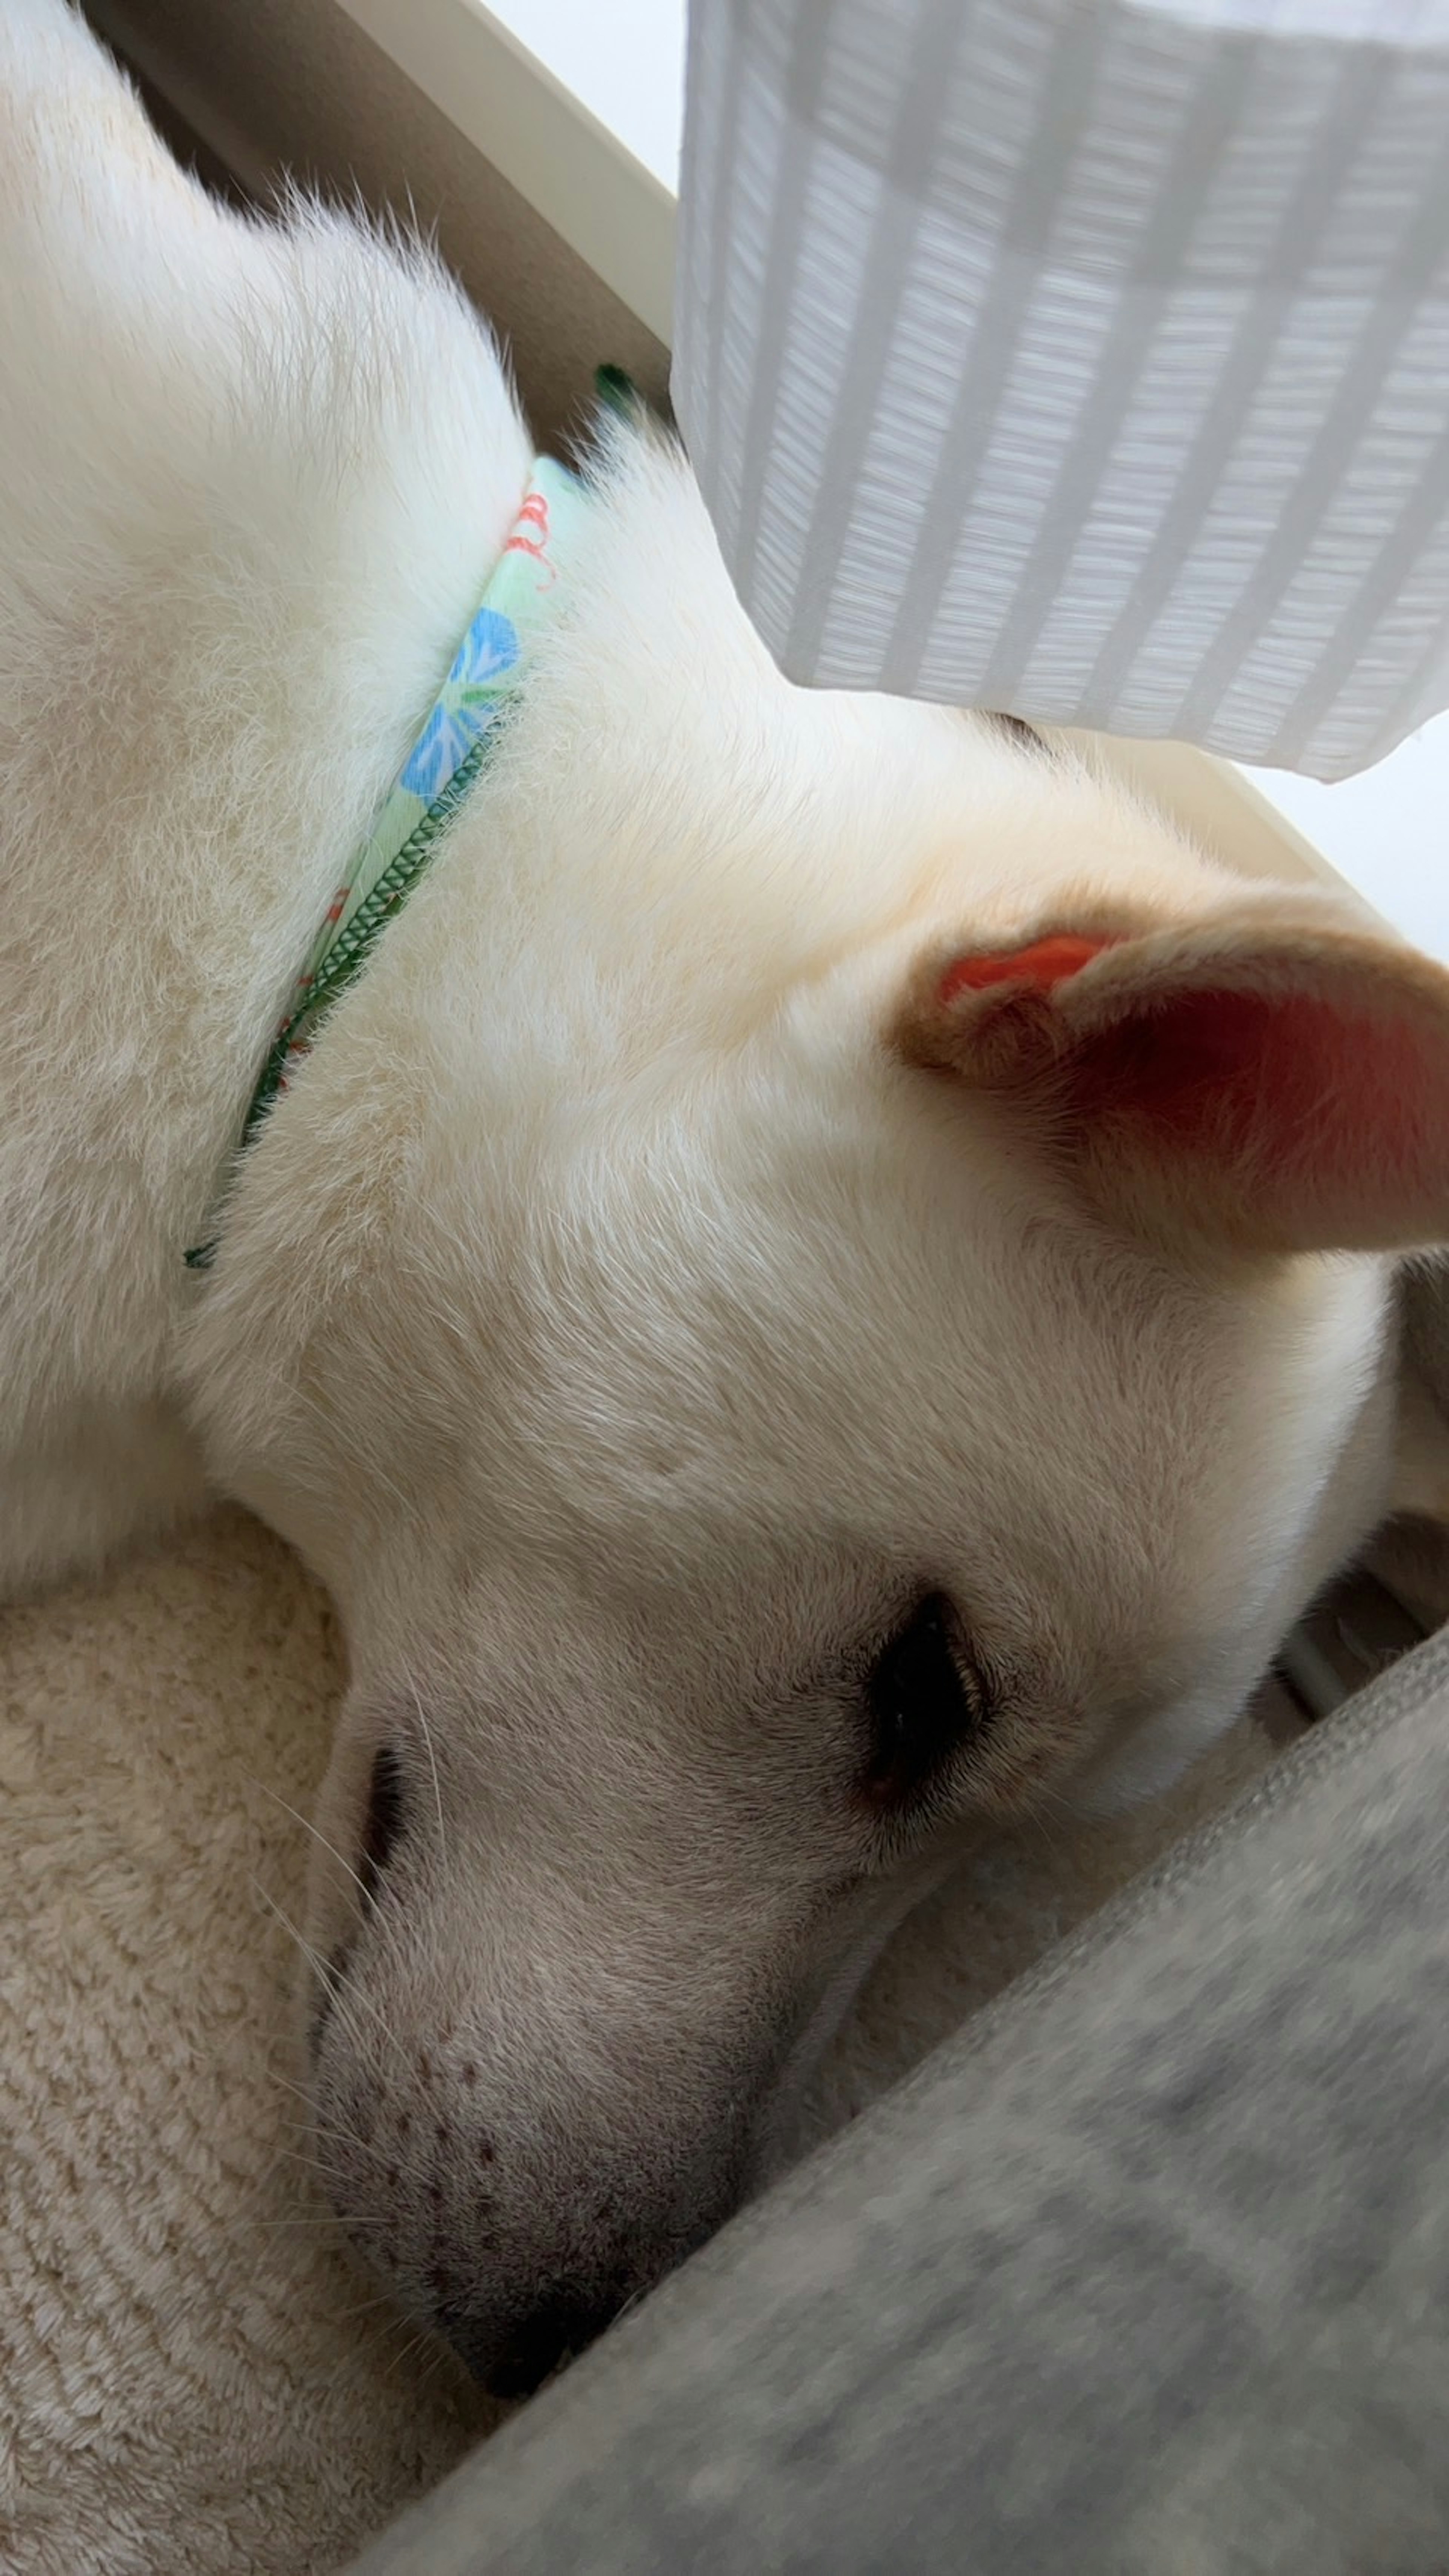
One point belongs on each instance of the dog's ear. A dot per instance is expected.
(1277, 1080)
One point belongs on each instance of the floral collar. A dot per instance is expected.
(435, 778)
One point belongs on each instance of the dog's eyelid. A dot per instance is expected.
(383, 1819)
(927, 1693)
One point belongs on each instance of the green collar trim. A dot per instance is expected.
(452, 749)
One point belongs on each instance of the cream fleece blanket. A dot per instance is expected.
(193, 2382)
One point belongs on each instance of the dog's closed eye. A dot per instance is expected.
(924, 1700)
(384, 1820)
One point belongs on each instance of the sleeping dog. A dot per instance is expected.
(807, 1272)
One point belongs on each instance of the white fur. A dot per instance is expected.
(621, 1329)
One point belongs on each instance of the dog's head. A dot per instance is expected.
(793, 1322)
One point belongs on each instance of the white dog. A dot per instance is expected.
(829, 1277)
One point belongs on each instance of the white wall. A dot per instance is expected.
(1387, 831)
(623, 58)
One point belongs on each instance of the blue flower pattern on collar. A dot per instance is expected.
(467, 704)
(487, 671)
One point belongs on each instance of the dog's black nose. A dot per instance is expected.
(557, 2330)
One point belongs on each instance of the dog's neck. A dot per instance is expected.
(644, 825)
(639, 841)
(443, 768)
(634, 872)
(305, 615)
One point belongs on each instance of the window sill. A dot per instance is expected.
(583, 120)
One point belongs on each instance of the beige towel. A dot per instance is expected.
(193, 2380)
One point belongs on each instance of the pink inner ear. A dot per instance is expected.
(1300, 1104)
(1045, 963)
(1329, 1106)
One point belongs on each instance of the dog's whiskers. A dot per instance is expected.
(313, 2164)
(364, 2350)
(323, 2129)
(424, 2335)
(346, 1999)
(320, 2222)
(364, 2308)
(427, 1735)
(289, 2085)
(308, 1826)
